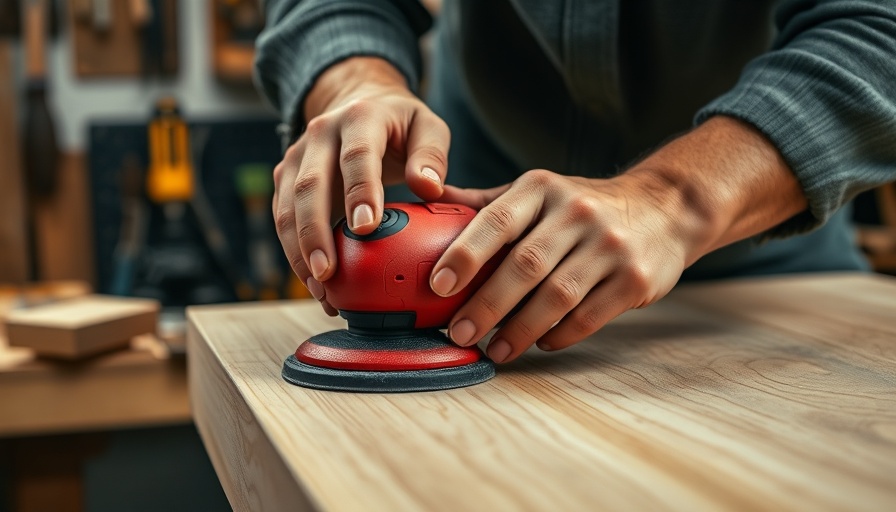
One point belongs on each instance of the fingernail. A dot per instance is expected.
(362, 216)
(431, 174)
(443, 282)
(498, 350)
(544, 346)
(462, 332)
(319, 263)
(316, 289)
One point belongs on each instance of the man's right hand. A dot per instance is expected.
(365, 129)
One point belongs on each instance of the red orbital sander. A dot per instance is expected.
(381, 287)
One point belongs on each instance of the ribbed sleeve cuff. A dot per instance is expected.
(291, 56)
(797, 111)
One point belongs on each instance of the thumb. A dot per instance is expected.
(427, 164)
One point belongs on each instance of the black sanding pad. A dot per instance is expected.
(419, 361)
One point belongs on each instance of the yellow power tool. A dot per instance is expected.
(170, 175)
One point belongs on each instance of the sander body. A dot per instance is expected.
(393, 342)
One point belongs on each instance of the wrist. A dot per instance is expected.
(347, 79)
(676, 208)
(722, 182)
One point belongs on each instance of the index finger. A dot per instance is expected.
(496, 225)
(311, 200)
(361, 163)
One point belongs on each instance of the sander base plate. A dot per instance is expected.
(335, 379)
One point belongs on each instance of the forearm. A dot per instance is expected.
(825, 95)
(303, 39)
(723, 181)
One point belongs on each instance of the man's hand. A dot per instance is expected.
(591, 249)
(366, 129)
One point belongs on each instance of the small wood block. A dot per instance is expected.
(82, 326)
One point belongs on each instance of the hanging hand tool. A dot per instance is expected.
(176, 264)
(41, 151)
(171, 183)
(170, 177)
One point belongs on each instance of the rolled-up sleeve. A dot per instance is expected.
(825, 95)
(303, 38)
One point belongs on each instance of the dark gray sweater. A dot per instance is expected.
(585, 86)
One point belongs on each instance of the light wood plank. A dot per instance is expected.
(744, 395)
(82, 326)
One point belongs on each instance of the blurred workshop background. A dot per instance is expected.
(135, 162)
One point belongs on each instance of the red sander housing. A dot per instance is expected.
(381, 287)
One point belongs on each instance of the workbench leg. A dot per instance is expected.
(45, 473)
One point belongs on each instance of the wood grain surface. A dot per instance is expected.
(765, 394)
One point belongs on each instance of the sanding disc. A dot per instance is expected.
(420, 361)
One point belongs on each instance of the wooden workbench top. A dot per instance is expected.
(766, 394)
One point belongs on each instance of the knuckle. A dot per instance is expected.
(524, 329)
(432, 155)
(583, 207)
(358, 109)
(530, 261)
(357, 191)
(307, 183)
(538, 177)
(315, 128)
(284, 220)
(499, 218)
(292, 152)
(278, 172)
(464, 254)
(586, 322)
(355, 153)
(638, 279)
(297, 263)
(307, 230)
(491, 306)
(562, 293)
(615, 239)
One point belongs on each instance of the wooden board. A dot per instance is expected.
(64, 229)
(14, 266)
(82, 326)
(766, 394)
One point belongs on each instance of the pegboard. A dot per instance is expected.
(229, 144)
